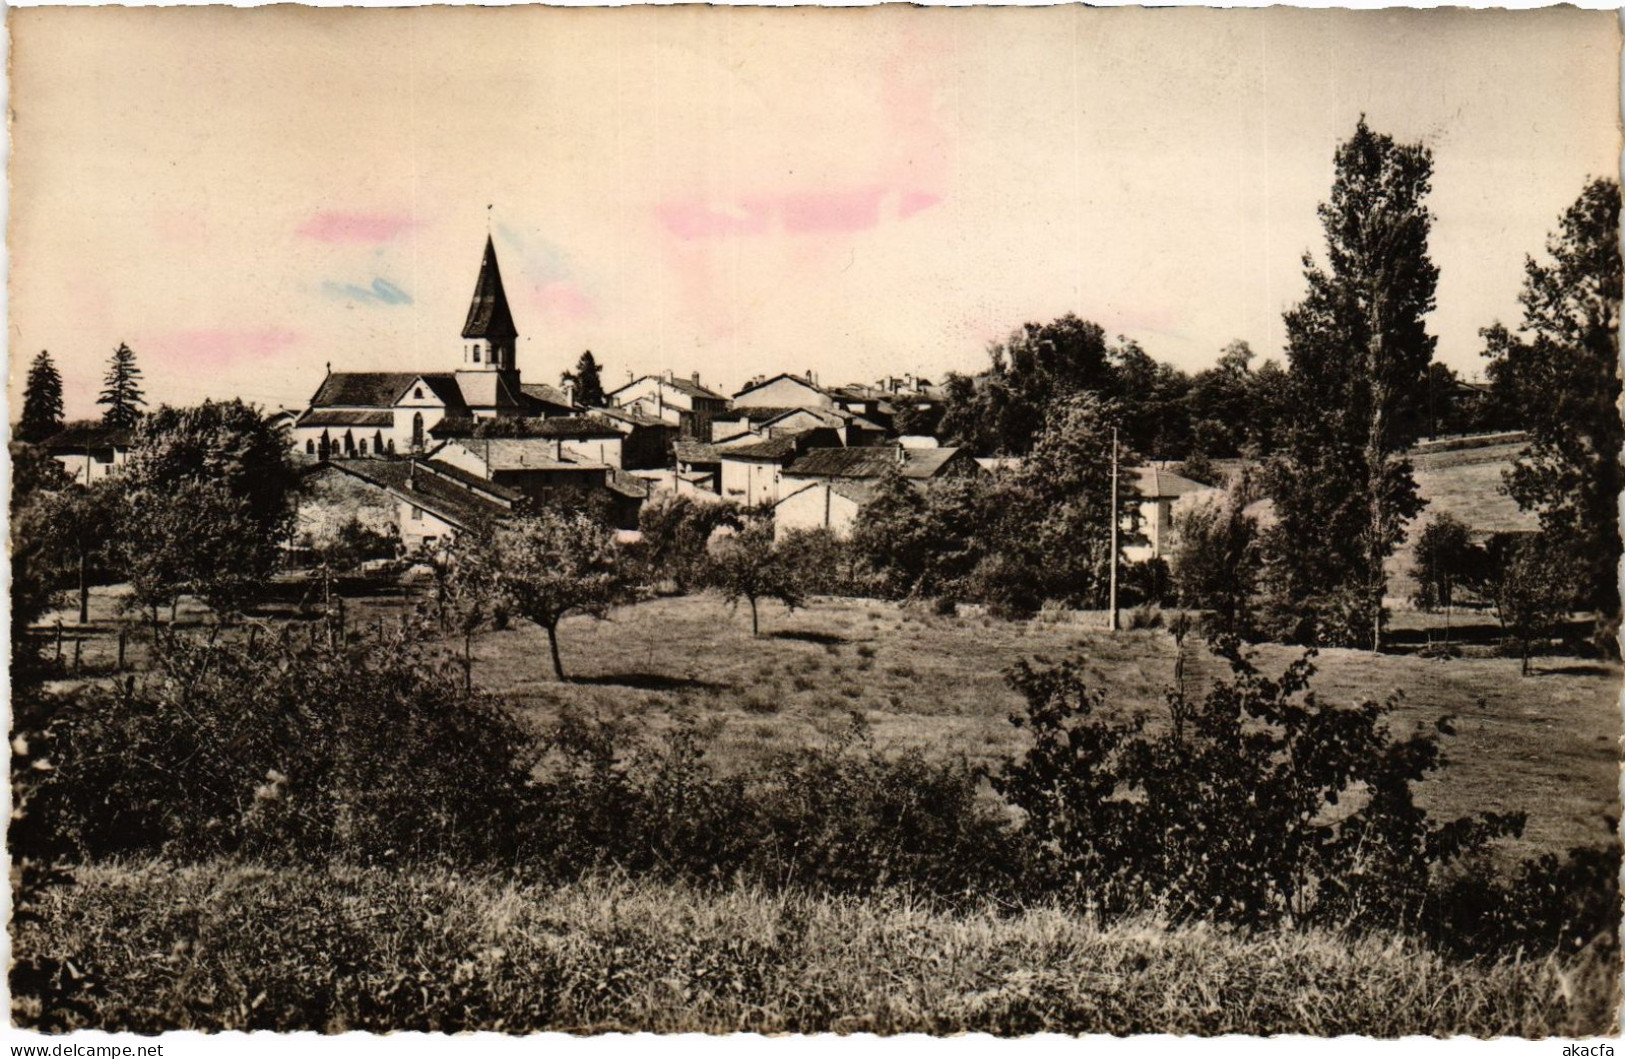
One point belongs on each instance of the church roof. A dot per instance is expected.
(382, 389)
(488, 315)
(549, 396)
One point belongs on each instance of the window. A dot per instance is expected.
(418, 393)
(476, 352)
(310, 446)
(417, 513)
(363, 446)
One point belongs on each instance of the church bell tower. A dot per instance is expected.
(489, 336)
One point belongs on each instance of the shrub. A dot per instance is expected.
(368, 755)
(1239, 809)
(1216, 564)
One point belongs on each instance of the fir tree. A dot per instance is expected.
(42, 401)
(587, 381)
(123, 395)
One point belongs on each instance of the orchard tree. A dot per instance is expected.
(1561, 368)
(42, 400)
(587, 381)
(747, 566)
(121, 392)
(544, 566)
(1533, 586)
(676, 530)
(1359, 353)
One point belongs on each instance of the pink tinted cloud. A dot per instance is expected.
(218, 347)
(332, 226)
(563, 300)
(693, 219)
(912, 202)
(856, 210)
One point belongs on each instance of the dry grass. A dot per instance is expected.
(230, 947)
(1545, 744)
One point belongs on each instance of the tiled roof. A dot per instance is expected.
(433, 491)
(485, 389)
(684, 386)
(551, 396)
(488, 314)
(363, 389)
(524, 427)
(633, 418)
(770, 449)
(86, 436)
(696, 452)
(753, 387)
(1154, 482)
(347, 417)
(871, 462)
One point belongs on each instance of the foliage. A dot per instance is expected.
(1254, 804)
(747, 565)
(823, 564)
(369, 754)
(1359, 352)
(1003, 410)
(1216, 562)
(545, 565)
(586, 381)
(1446, 560)
(122, 393)
(205, 504)
(1561, 369)
(676, 530)
(42, 400)
(1533, 586)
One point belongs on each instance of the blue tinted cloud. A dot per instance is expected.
(381, 292)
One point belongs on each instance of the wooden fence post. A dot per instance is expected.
(121, 635)
(59, 641)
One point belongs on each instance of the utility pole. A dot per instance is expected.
(1111, 620)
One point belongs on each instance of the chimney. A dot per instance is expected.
(671, 376)
(696, 378)
(902, 454)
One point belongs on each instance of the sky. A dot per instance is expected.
(246, 196)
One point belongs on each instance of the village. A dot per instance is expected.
(656, 521)
(419, 456)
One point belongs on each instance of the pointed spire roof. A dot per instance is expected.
(488, 315)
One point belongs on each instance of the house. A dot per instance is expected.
(381, 413)
(783, 391)
(682, 402)
(646, 442)
(584, 439)
(433, 503)
(89, 451)
(750, 472)
(770, 421)
(543, 400)
(825, 488)
(699, 460)
(1162, 494)
(547, 472)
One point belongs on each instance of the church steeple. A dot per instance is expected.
(489, 336)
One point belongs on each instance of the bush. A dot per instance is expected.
(1239, 809)
(372, 754)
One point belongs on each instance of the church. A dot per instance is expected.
(387, 413)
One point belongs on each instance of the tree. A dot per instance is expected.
(676, 530)
(1445, 560)
(1533, 586)
(1561, 369)
(586, 380)
(1216, 561)
(122, 392)
(1359, 353)
(1056, 517)
(42, 400)
(1004, 409)
(544, 566)
(206, 503)
(747, 566)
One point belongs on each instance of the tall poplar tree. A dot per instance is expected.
(1359, 353)
(42, 400)
(587, 380)
(122, 393)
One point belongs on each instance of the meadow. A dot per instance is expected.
(224, 946)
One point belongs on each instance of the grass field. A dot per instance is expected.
(231, 947)
(1543, 744)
